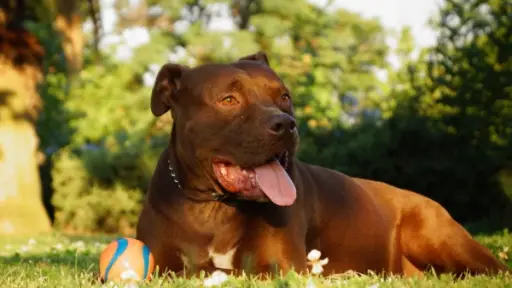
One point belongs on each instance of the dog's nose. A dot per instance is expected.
(281, 123)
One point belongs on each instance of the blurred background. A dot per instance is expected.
(416, 93)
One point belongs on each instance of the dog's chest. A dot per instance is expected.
(221, 257)
(222, 260)
(216, 241)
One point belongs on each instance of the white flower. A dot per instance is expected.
(314, 255)
(216, 279)
(317, 268)
(8, 247)
(374, 286)
(58, 246)
(315, 261)
(31, 241)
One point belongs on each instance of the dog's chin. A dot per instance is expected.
(249, 181)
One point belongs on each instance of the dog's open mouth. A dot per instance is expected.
(269, 180)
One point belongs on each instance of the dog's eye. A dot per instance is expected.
(229, 100)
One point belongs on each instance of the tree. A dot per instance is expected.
(471, 72)
(21, 58)
(25, 61)
(425, 142)
(323, 56)
(447, 128)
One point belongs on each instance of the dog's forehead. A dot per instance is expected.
(247, 73)
(213, 74)
(260, 73)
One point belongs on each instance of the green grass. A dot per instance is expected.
(64, 261)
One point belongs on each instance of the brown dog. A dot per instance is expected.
(228, 193)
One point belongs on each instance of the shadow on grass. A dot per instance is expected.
(69, 252)
(79, 266)
(80, 261)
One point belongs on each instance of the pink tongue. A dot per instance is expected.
(275, 183)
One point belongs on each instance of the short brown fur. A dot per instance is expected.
(359, 224)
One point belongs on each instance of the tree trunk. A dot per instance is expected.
(21, 206)
(69, 25)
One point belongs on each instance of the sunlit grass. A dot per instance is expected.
(64, 261)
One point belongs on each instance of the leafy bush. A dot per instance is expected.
(409, 153)
(100, 177)
(427, 129)
(100, 188)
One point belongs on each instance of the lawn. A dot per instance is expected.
(69, 261)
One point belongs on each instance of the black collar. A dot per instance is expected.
(198, 196)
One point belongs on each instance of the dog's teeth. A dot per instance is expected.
(223, 171)
(253, 180)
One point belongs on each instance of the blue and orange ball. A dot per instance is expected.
(126, 259)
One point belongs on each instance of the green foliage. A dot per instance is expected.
(52, 123)
(100, 189)
(445, 131)
(439, 124)
(107, 94)
(324, 58)
(99, 176)
(472, 69)
(113, 140)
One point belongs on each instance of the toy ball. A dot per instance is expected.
(126, 259)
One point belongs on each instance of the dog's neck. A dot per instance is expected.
(193, 182)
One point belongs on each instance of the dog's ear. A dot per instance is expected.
(167, 83)
(259, 56)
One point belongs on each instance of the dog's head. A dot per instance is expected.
(233, 124)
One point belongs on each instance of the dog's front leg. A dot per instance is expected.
(273, 254)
